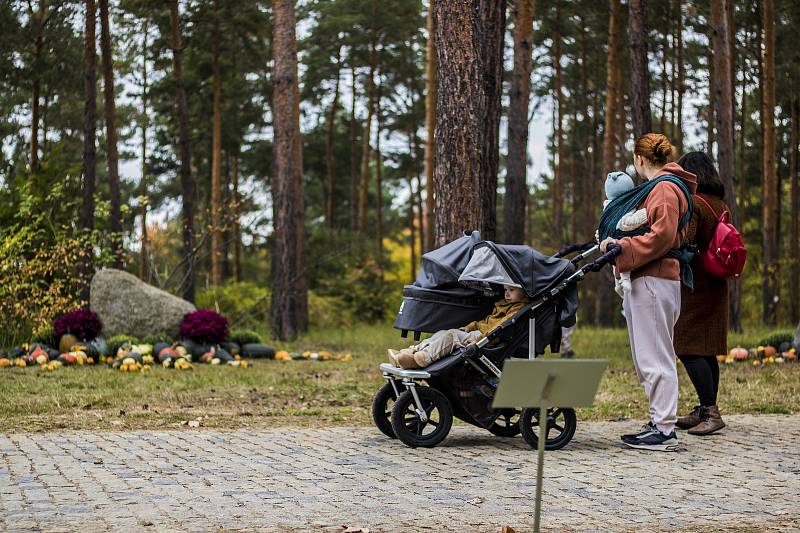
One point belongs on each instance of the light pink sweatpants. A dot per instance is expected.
(443, 342)
(651, 310)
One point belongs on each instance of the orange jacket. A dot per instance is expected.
(643, 255)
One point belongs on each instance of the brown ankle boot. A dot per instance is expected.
(712, 421)
(692, 419)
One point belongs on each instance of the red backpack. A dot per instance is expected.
(726, 254)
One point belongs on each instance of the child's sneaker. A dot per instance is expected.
(405, 360)
(652, 439)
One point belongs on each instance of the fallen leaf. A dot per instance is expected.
(117, 422)
(475, 501)
(507, 529)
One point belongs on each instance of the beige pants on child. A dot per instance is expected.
(651, 310)
(442, 343)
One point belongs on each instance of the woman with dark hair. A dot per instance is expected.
(702, 329)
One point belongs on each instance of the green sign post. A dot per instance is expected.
(543, 384)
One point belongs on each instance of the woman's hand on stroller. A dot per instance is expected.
(607, 243)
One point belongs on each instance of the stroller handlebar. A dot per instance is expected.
(572, 248)
(613, 251)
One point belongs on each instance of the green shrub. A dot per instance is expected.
(777, 338)
(245, 305)
(245, 336)
(45, 335)
(118, 340)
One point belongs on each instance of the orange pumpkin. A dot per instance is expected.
(770, 351)
(739, 353)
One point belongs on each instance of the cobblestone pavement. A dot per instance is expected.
(745, 479)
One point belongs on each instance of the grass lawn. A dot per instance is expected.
(306, 393)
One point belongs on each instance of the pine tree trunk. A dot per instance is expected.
(37, 20)
(353, 157)
(613, 90)
(237, 224)
(712, 104)
(664, 82)
(430, 124)
(411, 232)
(300, 276)
(330, 189)
(681, 74)
(111, 134)
(469, 37)
(516, 183)
(723, 96)
(794, 242)
(640, 76)
(493, 24)
(285, 320)
(89, 154)
(558, 183)
(769, 192)
(187, 181)
(378, 179)
(366, 151)
(216, 153)
(144, 256)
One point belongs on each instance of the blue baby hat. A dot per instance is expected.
(617, 183)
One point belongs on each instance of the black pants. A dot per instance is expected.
(704, 373)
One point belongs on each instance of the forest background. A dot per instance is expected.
(289, 163)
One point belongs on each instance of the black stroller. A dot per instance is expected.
(456, 284)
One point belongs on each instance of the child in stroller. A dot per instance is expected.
(445, 341)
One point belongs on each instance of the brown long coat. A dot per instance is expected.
(702, 328)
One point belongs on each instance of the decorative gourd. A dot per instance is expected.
(739, 353)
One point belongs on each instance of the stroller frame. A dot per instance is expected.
(478, 356)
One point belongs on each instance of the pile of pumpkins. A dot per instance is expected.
(130, 356)
(312, 356)
(47, 358)
(786, 352)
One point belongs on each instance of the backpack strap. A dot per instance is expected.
(709, 206)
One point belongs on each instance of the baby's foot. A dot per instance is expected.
(422, 359)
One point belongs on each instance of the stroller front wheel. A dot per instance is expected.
(382, 408)
(560, 428)
(411, 429)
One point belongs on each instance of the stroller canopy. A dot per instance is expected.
(508, 264)
(441, 267)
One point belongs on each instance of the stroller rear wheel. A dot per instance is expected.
(560, 428)
(506, 424)
(382, 408)
(408, 425)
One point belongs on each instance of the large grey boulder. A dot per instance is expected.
(128, 306)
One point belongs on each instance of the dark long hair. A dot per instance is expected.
(708, 182)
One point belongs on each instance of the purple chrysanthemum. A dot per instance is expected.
(204, 325)
(82, 323)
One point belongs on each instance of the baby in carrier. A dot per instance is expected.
(616, 184)
(443, 342)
